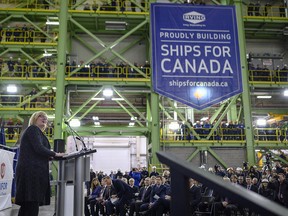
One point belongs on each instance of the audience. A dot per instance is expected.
(154, 197)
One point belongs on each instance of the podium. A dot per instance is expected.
(73, 171)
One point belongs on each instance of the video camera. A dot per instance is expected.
(268, 156)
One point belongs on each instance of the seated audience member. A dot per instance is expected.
(194, 195)
(135, 189)
(158, 191)
(143, 198)
(225, 204)
(122, 197)
(91, 199)
(104, 199)
(162, 204)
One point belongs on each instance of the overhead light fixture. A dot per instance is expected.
(261, 122)
(131, 124)
(52, 23)
(47, 54)
(286, 93)
(264, 96)
(12, 88)
(51, 116)
(98, 99)
(95, 118)
(173, 126)
(108, 92)
(75, 123)
(204, 119)
(97, 123)
(115, 25)
(118, 99)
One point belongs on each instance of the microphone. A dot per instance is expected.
(81, 139)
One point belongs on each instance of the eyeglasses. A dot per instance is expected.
(43, 117)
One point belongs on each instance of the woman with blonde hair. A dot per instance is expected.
(32, 171)
(92, 199)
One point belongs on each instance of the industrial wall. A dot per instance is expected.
(233, 157)
(136, 54)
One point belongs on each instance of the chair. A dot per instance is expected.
(205, 206)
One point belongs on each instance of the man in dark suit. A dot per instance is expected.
(123, 196)
(250, 186)
(194, 195)
(282, 194)
(143, 198)
(158, 191)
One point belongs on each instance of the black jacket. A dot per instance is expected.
(32, 171)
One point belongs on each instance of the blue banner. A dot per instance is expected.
(195, 53)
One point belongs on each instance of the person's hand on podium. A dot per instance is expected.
(58, 154)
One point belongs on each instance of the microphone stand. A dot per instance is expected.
(73, 132)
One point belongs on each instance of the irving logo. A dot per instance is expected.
(194, 17)
(2, 170)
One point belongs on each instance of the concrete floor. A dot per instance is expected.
(44, 210)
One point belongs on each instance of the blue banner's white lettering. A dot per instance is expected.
(195, 53)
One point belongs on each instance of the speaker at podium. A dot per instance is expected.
(59, 145)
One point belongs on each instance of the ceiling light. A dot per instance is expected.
(98, 99)
(107, 92)
(204, 119)
(75, 123)
(174, 126)
(118, 99)
(97, 123)
(286, 93)
(264, 96)
(12, 88)
(95, 118)
(52, 23)
(261, 122)
(51, 116)
(115, 25)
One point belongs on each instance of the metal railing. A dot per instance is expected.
(12, 132)
(274, 76)
(181, 171)
(227, 134)
(117, 5)
(18, 35)
(265, 11)
(13, 101)
(107, 72)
